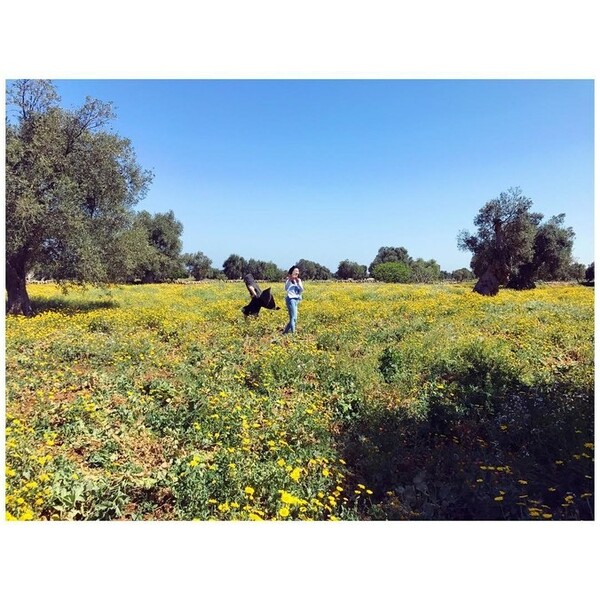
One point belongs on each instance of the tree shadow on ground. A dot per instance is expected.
(70, 306)
(526, 457)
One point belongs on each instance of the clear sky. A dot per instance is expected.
(329, 170)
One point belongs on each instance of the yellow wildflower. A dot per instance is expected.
(288, 498)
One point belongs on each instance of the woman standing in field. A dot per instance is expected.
(293, 295)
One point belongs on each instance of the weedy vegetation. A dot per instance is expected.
(161, 402)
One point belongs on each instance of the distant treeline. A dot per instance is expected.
(72, 184)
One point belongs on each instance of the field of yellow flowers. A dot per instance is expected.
(162, 402)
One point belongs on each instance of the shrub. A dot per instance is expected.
(392, 272)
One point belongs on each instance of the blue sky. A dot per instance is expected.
(334, 169)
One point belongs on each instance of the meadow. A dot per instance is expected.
(397, 402)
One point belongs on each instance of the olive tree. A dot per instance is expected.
(513, 247)
(70, 189)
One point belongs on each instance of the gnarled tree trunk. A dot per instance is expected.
(487, 284)
(18, 302)
(497, 273)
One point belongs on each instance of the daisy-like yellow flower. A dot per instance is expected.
(295, 474)
(288, 498)
(284, 512)
(249, 490)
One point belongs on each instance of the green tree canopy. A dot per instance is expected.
(271, 272)
(390, 254)
(235, 267)
(70, 188)
(312, 270)
(351, 270)
(513, 247)
(463, 274)
(163, 233)
(424, 271)
(268, 271)
(198, 265)
(552, 248)
(392, 272)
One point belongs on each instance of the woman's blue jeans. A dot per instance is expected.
(292, 306)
